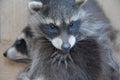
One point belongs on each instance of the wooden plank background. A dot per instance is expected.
(112, 11)
(13, 17)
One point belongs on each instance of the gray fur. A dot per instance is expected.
(93, 25)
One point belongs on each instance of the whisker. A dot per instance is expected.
(66, 64)
(54, 59)
(55, 53)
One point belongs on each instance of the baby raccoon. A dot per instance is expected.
(71, 42)
(19, 51)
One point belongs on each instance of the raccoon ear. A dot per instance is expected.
(80, 2)
(35, 6)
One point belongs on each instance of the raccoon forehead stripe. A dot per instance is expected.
(49, 20)
(58, 22)
(67, 21)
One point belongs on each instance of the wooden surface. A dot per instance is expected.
(13, 17)
(8, 69)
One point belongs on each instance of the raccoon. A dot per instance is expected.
(72, 42)
(19, 51)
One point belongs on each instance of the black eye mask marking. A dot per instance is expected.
(21, 46)
(73, 27)
(50, 30)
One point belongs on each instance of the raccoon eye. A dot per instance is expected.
(19, 42)
(73, 27)
(52, 28)
(21, 46)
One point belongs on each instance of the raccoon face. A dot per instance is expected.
(19, 50)
(58, 20)
(62, 36)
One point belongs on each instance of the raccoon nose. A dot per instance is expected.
(5, 54)
(66, 46)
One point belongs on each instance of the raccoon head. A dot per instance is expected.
(19, 50)
(58, 20)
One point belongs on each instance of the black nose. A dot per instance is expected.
(66, 46)
(5, 54)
